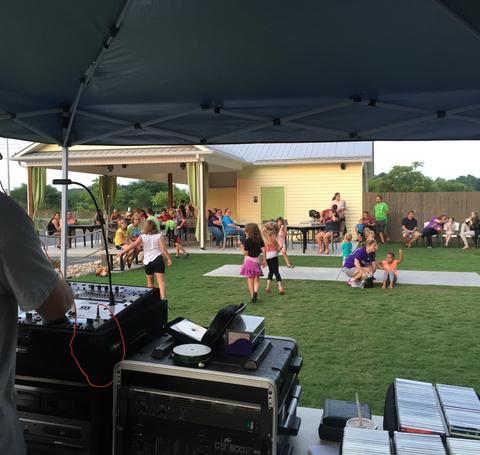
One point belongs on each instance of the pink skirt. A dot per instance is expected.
(251, 268)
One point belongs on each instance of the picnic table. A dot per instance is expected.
(304, 230)
(84, 227)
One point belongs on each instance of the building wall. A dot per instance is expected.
(222, 198)
(307, 186)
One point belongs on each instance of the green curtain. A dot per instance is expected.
(193, 175)
(108, 193)
(39, 183)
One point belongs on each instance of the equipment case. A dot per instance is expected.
(160, 407)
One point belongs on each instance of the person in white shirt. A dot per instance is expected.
(28, 281)
(153, 251)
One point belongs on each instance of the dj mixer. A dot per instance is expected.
(43, 347)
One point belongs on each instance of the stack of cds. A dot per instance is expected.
(461, 407)
(458, 446)
(359, 441)
(418, 444)
(418, 408)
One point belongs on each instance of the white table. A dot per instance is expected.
(308, 434)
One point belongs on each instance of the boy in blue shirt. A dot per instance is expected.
(346, 247)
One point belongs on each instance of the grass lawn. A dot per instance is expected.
(352, 340)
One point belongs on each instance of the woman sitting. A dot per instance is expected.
(215, 226)
(54, 229)
(433, 227)
(332, 224)
(470, 228)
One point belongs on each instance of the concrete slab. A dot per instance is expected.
(335, 274)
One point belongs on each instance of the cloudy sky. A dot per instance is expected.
(448, 159)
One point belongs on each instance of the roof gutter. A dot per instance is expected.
(311, 161)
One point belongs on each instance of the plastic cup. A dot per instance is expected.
(357, 422)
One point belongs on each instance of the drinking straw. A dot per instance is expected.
(359, 411)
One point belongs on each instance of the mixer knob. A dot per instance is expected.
(28, 316)
(99, 287)
(89, 321)
(105, 288)
(116, 289)
(92, 287)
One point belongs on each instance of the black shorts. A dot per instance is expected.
(156, 266)
(380, 226)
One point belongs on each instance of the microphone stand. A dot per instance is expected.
(111, 298)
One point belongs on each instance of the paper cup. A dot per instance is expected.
(357, 422)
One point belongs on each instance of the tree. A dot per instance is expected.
(402, 179)
(19, 195)
(160, 200)
(411, 179)
(450, 185)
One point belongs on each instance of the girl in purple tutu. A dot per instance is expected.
(252, 249)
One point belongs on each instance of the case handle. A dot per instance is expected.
(296, 364)
(292, 422)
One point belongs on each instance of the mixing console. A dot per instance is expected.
(43, 346)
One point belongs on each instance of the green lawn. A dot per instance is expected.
(352, 340)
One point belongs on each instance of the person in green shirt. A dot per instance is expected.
(381, 216)
(152, 217)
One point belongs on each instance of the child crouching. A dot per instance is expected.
(389, 266)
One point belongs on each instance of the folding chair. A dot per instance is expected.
(229, 236)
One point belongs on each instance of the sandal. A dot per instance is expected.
(290, 266)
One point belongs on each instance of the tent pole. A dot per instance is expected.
(201, 211)
(29, 192)
(64, 208)
(170, 190)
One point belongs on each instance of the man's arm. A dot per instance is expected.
(57, 303)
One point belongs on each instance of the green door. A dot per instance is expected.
(272, 199)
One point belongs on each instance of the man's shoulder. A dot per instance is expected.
(13, 216)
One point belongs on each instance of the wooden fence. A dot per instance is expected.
(425, 205)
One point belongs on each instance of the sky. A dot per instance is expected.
(447, 159)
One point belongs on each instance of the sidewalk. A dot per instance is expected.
(335, 274)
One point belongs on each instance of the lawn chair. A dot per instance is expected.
(229, 237)
(456, 235)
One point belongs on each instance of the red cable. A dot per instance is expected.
(72, 352)
(49, 258)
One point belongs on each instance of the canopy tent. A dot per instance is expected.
(213, 72)
(157, 72)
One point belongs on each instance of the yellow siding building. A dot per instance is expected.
(307, 182)
(257, 181)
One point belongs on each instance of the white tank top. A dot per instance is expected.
(151, 247)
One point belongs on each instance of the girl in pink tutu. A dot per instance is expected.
(252, 249)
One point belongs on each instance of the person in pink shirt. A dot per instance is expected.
(390, 266)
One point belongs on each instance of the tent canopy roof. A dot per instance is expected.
(119, 71)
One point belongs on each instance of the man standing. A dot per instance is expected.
(28, 280)
(381, 215)
(410, 229)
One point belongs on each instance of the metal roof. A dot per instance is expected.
(310, 151)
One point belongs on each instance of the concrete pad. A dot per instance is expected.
(334, 274)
